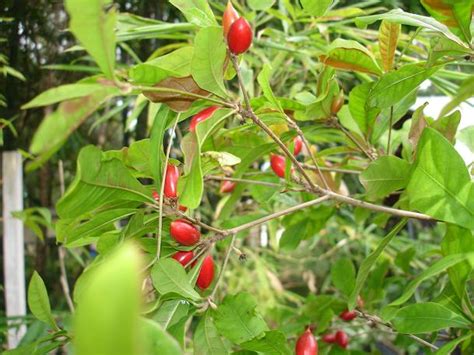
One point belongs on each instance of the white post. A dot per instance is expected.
(13, 246)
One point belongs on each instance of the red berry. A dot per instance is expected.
(183, 257)
(227, 186)
(306, 344)
(229, 17)
(202, 116)
(206, 275)
(329, 338)
(182, 208)
(240, 36)
(342, 339)
(184, 232)
(298, 143)
(278, 164)
(348, 315)
(156, 195)
(171, 181)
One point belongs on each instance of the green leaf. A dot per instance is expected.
(383, 119)
(169, 276)
(191, 186)
(38, 301)
(62, 93)
(260, 5)
(385, 175)
(93, 23)
(457, 15)
(316, 8)
(466, 136)
(438, 267)
(351, 55)
(206, 339)
(432, 189)
(449, 347)
(237, 318)
(98, 182)
(406, 18)
(107, 317)
(458, 240)
(157, 341)
(176, 63)
(273, 343)
(392, 87)
(466, 91)
(370, 261)
(363, 114)
(171, 312)
(294, 234)
(197, 12)
(264, 81)
(426, 318)
(343, 275)
(448, 125)
(56, 127)
(207, 65)
(388, 40)
(76, 230)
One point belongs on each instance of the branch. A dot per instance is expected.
(331, 169)
(311, 187)
(295, 126)
(277, 215)
(61, 250)
(249, 181)
(377, 320)
(353, 139)
(371, 206)
(224, 265)
(162, 189)
(250, 114)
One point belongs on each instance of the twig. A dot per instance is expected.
(377, 320)
(276, 215)
(162, 189)
(250, 114)
(308, 148)
(331, 169)
(61, 251)
(378, 208)
(309, 183)
(224, 265)
(253, 182)
(247, 181)
(390, 130)
(354, 140)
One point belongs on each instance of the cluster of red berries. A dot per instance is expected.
(307, 344)
(184, 232)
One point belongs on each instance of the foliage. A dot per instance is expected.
(376, 214)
